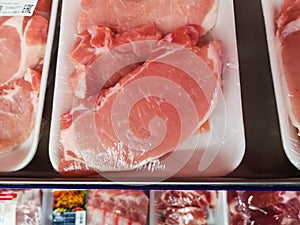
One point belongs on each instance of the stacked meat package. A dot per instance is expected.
(147, 88)
(282, 18)
(24, 62)
(184, 207)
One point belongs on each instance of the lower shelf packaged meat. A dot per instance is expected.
(282, 21)
(95, 207)
(263, 207)
(20, 206)
(187, 207)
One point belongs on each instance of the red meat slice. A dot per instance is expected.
(43, 8)
(123, 15)
(288, 37)
(22, 45)
(16, 114)
(10, 51)
(182, 207)
(149, 107)
(117, 207)
(264, 207)
(95, 43)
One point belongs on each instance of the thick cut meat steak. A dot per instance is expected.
(122, 15)
(165, 87)
(22, 45)
(16, 114)
(95, 43)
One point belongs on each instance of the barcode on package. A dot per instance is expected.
(17, 7)
(80, 218)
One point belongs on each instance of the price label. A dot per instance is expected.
(17, 7)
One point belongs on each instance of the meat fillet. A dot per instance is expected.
(116, 130)
(90, 53)
(122, 15)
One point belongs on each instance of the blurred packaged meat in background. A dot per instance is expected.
(185, 207)
(117, 207)
(26, 43)
(145, 88)
(263, 207)
(288, 37)
(21, 206)
(95, 206)
(282, 20)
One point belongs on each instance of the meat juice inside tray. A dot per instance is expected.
(24, 67)
(172, 109)
(282, 28)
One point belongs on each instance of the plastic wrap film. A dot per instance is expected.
(185, 207)
(152, 96)
(25, 56)
(21, 206)
(263, 207)
(282, 19)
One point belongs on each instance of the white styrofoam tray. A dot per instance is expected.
(212, 159)
(23, 154)
(290, 140)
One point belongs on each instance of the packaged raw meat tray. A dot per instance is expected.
(282, 20)
(21, 206)
(96, 206)
(26, 43)
(188, 207)
(263, 207)
(147, 90)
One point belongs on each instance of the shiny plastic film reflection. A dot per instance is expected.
(123, 150)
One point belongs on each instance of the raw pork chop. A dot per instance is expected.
(263, 207)
(288, 38)
(117, 207)
(22, 45)
(18, 101)
(122, 15)
(182, 207)
(94, 43)
(104, 149)
(22, 48)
